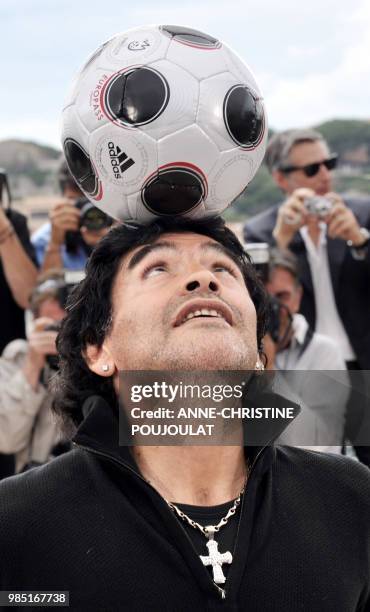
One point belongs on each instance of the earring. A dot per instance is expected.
(105, 367)
(259, 366)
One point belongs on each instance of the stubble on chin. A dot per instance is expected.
(194, 356)
(135, 349)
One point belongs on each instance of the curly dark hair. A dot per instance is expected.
(89, 310)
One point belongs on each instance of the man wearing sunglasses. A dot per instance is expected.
(330, 237)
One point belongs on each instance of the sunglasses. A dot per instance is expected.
(312, 169)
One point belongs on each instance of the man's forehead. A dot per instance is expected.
(310, 151)
(182, 241)
(179, 239)
(282, 276)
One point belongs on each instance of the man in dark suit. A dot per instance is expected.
(328, 234)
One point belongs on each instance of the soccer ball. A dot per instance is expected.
(163, 120)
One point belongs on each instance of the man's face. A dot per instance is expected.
(52, 309)
(303, 154)
(92, 237)
(181, 304)
(283, 286)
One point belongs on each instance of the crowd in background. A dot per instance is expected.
(34, 286)
(317, 272)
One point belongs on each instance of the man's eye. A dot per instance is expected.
(154, 269)
(222, 267)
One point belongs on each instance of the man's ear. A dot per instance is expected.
(99, 360)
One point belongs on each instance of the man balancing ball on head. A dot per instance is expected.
(124, 528)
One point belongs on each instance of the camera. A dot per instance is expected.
(59, 289)
(273, 318)
(92, 217)
(318, 206)
(260, 255)
(53, 360)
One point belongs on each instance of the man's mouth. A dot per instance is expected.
(202, 314)
(198, 310)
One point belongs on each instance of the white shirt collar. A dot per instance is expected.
(310, 246)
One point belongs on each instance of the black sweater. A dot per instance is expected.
(89, 524)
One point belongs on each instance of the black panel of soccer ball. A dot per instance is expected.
(244, 117)
(188, 35)
(81, 167)
(173, 191)
(137, 96)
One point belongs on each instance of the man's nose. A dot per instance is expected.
(324, 172)
(202, 281)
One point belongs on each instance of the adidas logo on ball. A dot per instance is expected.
(119, 160)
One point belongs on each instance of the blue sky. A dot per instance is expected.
(311, 59)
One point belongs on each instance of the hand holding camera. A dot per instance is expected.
(342, 223)
(78, 216)
(64, 217)
(304, 207)
(292, 215)
(41, 345)
(41, 341)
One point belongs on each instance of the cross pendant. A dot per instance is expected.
(215, 558)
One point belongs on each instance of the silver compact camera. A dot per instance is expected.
(318, 206)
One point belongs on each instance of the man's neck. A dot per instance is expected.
(195, 475)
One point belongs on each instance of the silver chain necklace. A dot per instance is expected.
(214, 558)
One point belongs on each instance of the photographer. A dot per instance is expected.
(75, 227)
(18, 271)
(294, 345)
(329, 236)
(27, 427)
(291, 345)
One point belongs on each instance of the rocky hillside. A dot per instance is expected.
(31, 167)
